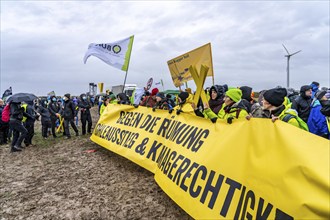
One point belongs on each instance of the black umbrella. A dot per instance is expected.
(22, 97)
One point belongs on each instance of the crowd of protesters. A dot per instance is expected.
(309, 109)
(56, 115)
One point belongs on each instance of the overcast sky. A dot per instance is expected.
(43, 43)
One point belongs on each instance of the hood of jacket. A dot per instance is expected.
(303, 89)
(220, 90)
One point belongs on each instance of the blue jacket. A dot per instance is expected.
(317, 123)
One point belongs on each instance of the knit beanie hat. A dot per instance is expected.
(154, 91)
(160, 95)
(275, 96)
(112, 96)
(183, 96)
(320, 94)
(234, 94)
(67, 95)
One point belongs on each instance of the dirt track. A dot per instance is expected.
(58, 179)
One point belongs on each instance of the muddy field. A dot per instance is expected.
(62, 179)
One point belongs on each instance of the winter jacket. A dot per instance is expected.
(287, 112)
(317, 122)
(237, 110)
(216, 104)
(102, 108)
(30, 111)
(123, 99)
(44, 112)
(149, 101)
(1, 109)
(302, 104)
(84, 106)
(68, 112)
(185, 106)
(17, 112)
(54, 108)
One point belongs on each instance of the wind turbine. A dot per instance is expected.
(288, 65)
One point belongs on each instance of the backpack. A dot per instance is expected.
(301, 123)
(6, 114)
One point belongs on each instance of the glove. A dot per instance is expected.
(214, 120)
(178, 111)
(230, 120)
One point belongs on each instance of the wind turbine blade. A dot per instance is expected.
(295, 53)
(286, 49)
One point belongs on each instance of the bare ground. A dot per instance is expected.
(59, 179)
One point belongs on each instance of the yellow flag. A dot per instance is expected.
(100, 87)
(179, 66)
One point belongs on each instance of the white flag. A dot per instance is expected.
(139, 92)
(116, 54)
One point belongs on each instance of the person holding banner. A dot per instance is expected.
(216, 100)
(185, 99)
(273, 107)
(123, 99)
(161, 102)
(233, 107)
(150, 101)
(104, 105)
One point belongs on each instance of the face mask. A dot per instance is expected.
(54, 99)
(84, 97)
(325, 110)
(65, 98)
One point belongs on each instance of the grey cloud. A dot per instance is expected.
(43, 43)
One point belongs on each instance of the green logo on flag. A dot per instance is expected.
(116, 49)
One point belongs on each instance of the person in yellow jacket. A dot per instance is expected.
(104, 105)
(275, 106)
(184, 103)
(232, 107)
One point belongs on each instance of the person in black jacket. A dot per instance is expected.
(54, 109)
(19, 131)
(45, 118)
(29, 123)
(123, 99)
(302, 104)
(68, 112)
(85, 114)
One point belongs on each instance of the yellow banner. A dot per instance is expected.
(179, 66)
(100, 87)
(245, 170)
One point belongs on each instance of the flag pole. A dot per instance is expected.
(125, 80)
(128, 64)
(212, 64)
